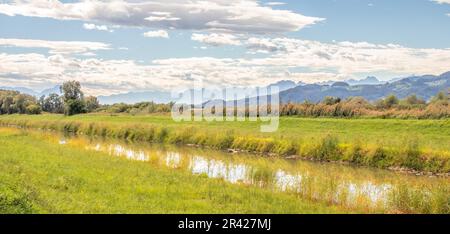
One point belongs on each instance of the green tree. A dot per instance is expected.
(20, 103)
(439, 97)
(331, 100)
(33, 109)
(91, 103)
(389, 102)
(12, 102)
(7, 105)
(73, 98)
(414, 100)
(53, 103)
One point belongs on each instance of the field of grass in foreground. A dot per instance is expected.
(39, 177)
(421, 145)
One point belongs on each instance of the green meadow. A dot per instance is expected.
(40, 176)
(37, 176)
(419, 145)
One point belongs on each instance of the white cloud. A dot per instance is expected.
(442, 1)
(317, 61)
(275, 3)
(158, 33)
(263, 45)
(161, 16)
(351, 57)
(216, 39)
(247, 16)
(56, 47)
(97, 27)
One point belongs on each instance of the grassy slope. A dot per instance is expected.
(37, 177)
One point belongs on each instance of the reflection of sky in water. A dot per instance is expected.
(217, 169)
(173, 159)
(241, 173)
(285, 181)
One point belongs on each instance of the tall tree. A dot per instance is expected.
(73, 98)
(53, 103)
(91, 103)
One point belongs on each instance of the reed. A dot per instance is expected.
(328, 148)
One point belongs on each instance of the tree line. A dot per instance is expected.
(12, 102)
(73, 101)
(388, 107)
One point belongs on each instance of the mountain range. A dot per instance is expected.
(370, 88)
(424, 87)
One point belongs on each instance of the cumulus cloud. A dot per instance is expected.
(216, 39)
(97, 27)
(263, 45)
(247, 16)
(158, 33)
(285, 58)
(352, 57)
(56, 47)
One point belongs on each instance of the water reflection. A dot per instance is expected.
(318, 187)
(337, 184)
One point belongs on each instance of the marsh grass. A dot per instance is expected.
(38, 176)
(331, 184)
(322, 148)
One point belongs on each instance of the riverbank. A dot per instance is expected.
(336, 188)
(410, 145)
(37, 176)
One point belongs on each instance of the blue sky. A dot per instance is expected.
(337, 39)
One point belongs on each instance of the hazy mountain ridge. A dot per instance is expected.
(371, 88)
(134, 97)
(423, 86)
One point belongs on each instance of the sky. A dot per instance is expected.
(124, 46)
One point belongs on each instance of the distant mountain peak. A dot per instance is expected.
(371, 79)
(425, 86)
(283, 85)
(446, 74)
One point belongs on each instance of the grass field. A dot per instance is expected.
(422, 145)
(39, 177)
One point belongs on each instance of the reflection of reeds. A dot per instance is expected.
(424, 199)
(328, 148)
(332, 184)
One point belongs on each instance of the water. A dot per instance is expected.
(349, 186)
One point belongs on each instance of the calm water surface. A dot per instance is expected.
(338, 184)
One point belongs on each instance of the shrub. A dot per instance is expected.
(328, 149)
(33, 109)
(379, 158)
(413, 159)
(357, 154)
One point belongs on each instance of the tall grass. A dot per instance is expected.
(42, 177)
(328, 148)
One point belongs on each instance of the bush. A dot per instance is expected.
(33, 109)
(328, 149)
(413, 159)
(379, 158)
